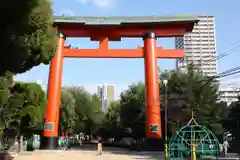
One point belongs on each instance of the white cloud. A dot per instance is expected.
(100, 3)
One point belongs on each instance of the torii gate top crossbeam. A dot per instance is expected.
(117, 27)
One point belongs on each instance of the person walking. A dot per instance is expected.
(99, 147)
(225, 147)
(17, 146)
(61, 142)
(221, 147)
(66, 144)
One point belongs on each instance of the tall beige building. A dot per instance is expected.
(199, 46)
(106, 93)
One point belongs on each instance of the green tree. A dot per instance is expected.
(82, 107)
(32, 111)
(10, 103)
(68, 115)
(233, 124)
(22, 105)
(97, 117)
(132, 112)
(189, 92)
(112, 126)
(88, 111)
(28, 37)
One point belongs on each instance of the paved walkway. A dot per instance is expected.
(89, 155)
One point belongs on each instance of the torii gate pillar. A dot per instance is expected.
(152, 97)
(51, 121)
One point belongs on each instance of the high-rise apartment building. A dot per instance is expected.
(106, 93)
(200, 47)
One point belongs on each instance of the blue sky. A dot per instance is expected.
(122, 72)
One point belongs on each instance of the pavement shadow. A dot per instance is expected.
(6, 156)
(121, 151)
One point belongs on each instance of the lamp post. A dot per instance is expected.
(60, 129)
(165, 82)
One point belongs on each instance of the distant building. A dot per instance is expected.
(106, 93)
(229, 94)
(199, 47)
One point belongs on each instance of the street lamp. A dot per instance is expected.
(165, 82)
(60, 129)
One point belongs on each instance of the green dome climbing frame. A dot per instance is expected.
(193, 140)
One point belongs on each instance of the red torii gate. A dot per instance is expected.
(105, 29)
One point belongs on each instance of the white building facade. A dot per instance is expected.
(200, 47)
(106, 93)
(228, 93)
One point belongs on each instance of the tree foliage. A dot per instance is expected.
(9, 103)
(187, 92)
(88, 110)
(112, 124)
(233, 124)
(34, 103)
(132, 114)
(68, 116)
(22, 105)
(234, 117)
(28, 37)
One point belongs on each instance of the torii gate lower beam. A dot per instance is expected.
(104, 52)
